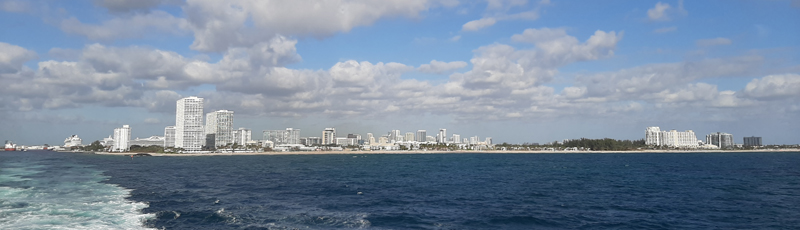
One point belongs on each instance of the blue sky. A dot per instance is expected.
(515, 70)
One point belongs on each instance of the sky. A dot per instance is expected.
(514, 70)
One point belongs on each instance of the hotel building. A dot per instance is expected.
(409, 137)
(242, 136)
(189, 133)
(655, 137)
(752, 141)
(281, 137)
(169, 136)
(422, 136)
(220, 124)
(329, 136)
(721, 140)
(122, 139)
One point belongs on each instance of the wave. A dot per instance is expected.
(64, 197)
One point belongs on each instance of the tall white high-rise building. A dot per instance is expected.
(169, 136)
(242, 136)
(220, 124)
(488, 141)
(456, 138)
(122, 139)
(409, 137)
(394, 136)
(329, 136)
(422, 136)
(189, 133)
(442, 137)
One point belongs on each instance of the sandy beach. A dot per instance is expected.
(441, 152)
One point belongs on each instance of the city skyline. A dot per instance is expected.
(518, 71)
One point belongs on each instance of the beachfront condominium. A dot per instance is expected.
(652, 136)
(394, 136)
(409, 137)
(752, 141)
(220, 124)
(421, 136)
(281, 137)
(242, 136)
(673, 138)
(329, 136)
(370, 139)
(169, 136)
(189, 133)
(442, 137)
(355, 138)
(456, 138)
(122, 139)
(655, 137)
(721, 140)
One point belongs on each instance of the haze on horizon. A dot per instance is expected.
(514, 70)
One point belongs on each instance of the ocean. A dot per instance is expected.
(50, 190)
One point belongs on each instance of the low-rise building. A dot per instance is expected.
(150, 141)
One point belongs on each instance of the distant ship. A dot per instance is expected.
(10, 146)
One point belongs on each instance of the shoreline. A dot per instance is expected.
(442, 152)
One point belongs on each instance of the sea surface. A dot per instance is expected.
(50, 190)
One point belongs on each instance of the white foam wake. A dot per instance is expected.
(74, 198)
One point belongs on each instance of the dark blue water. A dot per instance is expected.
(448, 191)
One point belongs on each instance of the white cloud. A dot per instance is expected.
(658, 13)
(557, 48)
(774, 87)
(219, 25)
(365, 73)
(713, 42)
(135, 26)
(455, 38)
(13, 57)
(503, 82)
(479, 24)
(665, 30)
(438, 67)
(665, 12)
(668, 83)
(573, 92)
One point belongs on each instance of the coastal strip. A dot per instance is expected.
(440, 152)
